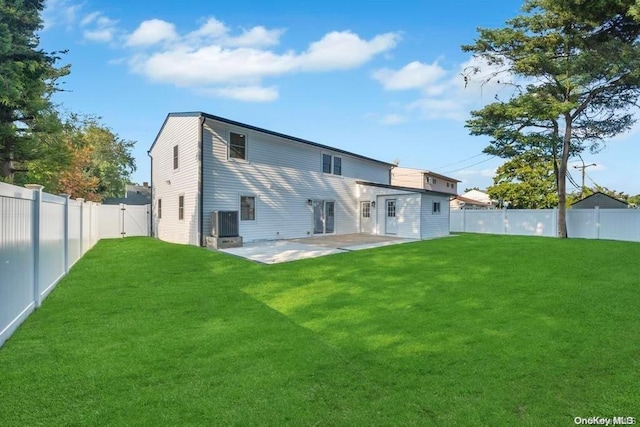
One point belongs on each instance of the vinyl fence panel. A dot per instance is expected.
(613, 224)
(17, 299)
(619, 224)
(42, 236)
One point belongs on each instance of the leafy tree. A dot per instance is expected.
(575, 70)
(466, 190)
(90, 161)
(527, 181)
(28, 77)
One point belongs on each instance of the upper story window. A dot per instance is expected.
(237, 146)
(175, 157)
(337, 165)
(430, 180)
(326, 163)
(331, 164)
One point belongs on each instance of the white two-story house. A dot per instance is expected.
(280, 186)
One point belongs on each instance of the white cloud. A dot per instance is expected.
(414, 75)
(343, 50)
(214, 61)
(152, 32)
(255, 37)
(99, 28)
(244, 93)
(393, 119)
(88, 19)
(60, 12)
(447, 94)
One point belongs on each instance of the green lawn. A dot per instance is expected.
(469, 330)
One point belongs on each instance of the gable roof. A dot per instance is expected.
(598, 193)
(472, 201)
(265, 131)
(437, 175)
(409, 189)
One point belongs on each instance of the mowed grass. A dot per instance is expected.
(468, 330)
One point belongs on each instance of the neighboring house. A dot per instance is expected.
(423, 179)
(479, 196)
(600, 200)
(460, 202)
(134, 195)
(281, 186)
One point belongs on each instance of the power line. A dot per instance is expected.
(460, 161)
(474, 164)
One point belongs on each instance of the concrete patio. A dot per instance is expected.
(276, 251)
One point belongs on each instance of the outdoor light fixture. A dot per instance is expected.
(373, 204)
(309, 202)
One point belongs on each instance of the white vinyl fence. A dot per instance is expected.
(612, 224)
(42, 236)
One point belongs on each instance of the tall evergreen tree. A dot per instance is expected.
(28, 78)
(576, 72)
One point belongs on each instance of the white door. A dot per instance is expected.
(365, 217)
(391, 223)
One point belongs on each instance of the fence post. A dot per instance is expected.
(554, 217)
(123, 208)
(36, 220)
(81, 200)
(505, 220)
(65, 237)
(596, 221)
(464, 220)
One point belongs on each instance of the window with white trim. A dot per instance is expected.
(247, 208)
(181, 207)
(436, 207)
(331, 164)
(237, 146)
(159, 208)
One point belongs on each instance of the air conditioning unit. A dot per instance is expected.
(224, 224)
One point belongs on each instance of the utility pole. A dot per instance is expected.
(583, 167)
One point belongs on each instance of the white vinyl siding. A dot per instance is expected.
(168, 183)
(283, 175)
(434, 224)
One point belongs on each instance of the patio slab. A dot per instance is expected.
(276, 251)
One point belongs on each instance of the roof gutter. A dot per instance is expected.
(152, 194)
(201, 120)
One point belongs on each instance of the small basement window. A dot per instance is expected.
(247, 208)
(237, 146)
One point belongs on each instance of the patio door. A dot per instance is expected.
(365, 217)
(391, 223)
(323, 217)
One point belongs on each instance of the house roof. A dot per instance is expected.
(437, 175)
(409, 189)
(472, 201)
(600, 194)
(265, 131)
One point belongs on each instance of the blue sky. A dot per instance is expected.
(380, 78)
